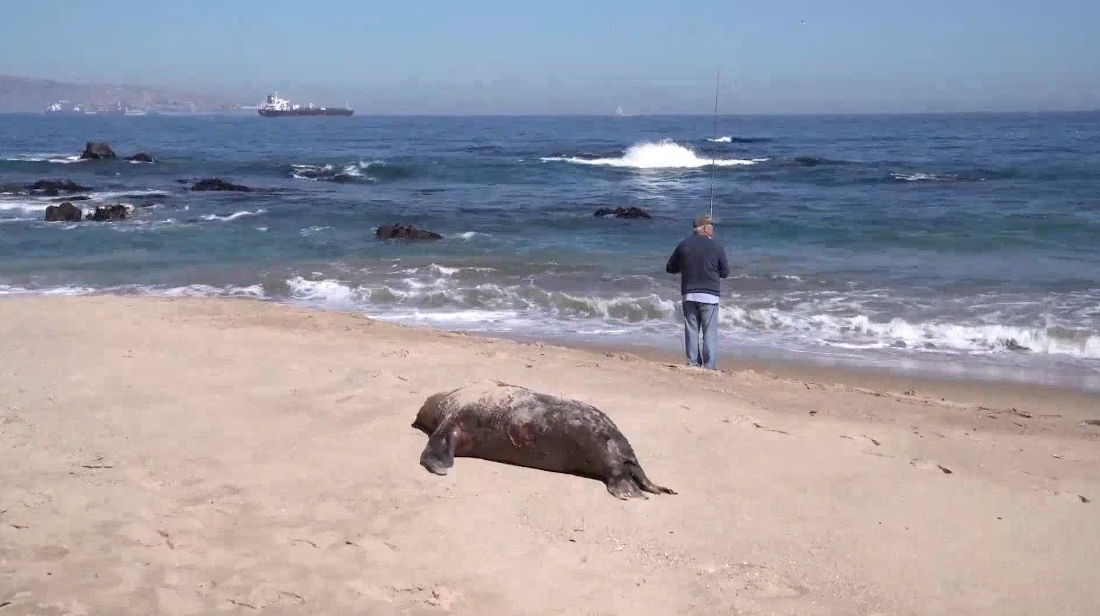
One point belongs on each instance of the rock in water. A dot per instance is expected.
(54, 187)
(622, 212)
(405, 232)
(66, 212)
(141, 157)
(96, 150)
(214, 184)
(117, 211)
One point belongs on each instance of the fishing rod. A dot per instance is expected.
(715, 141)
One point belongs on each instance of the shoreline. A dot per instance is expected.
(182, 456)
(955, 374)
(926, 382)
(958, 374)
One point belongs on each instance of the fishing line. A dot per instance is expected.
(714, 152)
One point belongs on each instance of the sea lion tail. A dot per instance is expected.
(643, 482)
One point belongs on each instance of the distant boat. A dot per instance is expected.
(275, 107)
(63, 108)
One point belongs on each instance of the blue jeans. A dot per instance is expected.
(702, 319)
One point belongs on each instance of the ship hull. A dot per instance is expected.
(292, 113)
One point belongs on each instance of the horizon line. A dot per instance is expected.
(646, 115)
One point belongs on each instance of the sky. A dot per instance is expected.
(567, 56)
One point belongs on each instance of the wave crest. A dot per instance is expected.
(341, 173)
(665, 154)
(233, 216)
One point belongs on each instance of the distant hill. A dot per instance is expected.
(26, 94)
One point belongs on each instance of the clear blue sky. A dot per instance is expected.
(566, 56)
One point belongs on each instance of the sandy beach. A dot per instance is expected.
(179, 456)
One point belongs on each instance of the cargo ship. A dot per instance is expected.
(275, 107)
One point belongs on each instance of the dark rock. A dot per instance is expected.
(406, 232)
(55, 187)
(141, 157)
(75, 198)
(95, 150)
(219, 185)
(117, 211)
(66, 212)
(622, 212)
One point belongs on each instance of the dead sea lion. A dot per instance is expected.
(510, 424)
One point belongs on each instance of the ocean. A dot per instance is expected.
(963, 245)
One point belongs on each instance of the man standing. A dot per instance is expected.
(701, 262)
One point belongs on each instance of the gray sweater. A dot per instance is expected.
(701, 263)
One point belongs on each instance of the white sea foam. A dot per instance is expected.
(660, 155)
(927, 177)
(436, 270)
(203, 290)
(860, 331)
(39, 204)
(60, 159)
(329, 172)
(62, 290)
(726, 139)
(234, 215)
(447, 296)
(437, 293)
(25, 205)
(469, 235)
(328, 293)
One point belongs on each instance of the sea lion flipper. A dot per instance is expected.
(623, 487)
(643, 482)
(439, 454)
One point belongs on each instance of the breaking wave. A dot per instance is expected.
(234, 215)
(933, 177)
(361, 171)
(477, 299)
(732, 139)
(457, 296)
(57, 159)
(194, 290)
(665, 154)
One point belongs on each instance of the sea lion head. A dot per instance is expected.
(432, 412)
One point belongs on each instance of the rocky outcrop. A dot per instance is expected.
(622, 212)
(214, 184)
(96, 150)
(104, 213)
(53, 188)
(66, 212)
(403, 231)
(141, 157)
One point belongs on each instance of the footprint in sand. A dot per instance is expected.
(436, 596)
(755, 581)
(1073, 496)
(929, 465)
